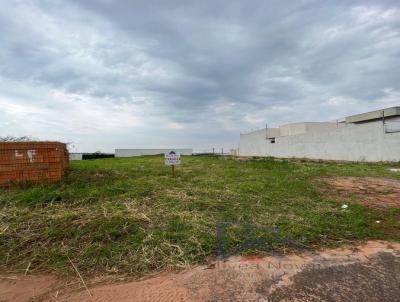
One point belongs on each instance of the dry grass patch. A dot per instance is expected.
(129, 217)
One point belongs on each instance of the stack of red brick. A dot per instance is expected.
(35, 162)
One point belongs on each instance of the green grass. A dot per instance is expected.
(130, 217)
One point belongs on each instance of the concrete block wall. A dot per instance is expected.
(299, 128)
(353, 142)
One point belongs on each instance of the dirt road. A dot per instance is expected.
(370, 272)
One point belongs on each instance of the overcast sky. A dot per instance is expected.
(107, 74)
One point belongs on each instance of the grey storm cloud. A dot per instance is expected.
(191, 73)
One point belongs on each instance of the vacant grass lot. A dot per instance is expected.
(129, 216)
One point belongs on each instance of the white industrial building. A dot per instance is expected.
(140, 152)
(75, 156)
(372, 136)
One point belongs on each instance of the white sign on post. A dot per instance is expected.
(172, 158)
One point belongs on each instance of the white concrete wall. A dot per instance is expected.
(273, 132)
(393, 124)
(354, 142)
(75, 156)
(253, 144)
(292, 129)
(299, 128)
(139, 152)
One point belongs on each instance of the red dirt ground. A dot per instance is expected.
(351, 274)
(370, 191)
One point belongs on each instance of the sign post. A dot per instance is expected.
(172, 159)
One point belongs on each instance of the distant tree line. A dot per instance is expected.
(96, 155)
(10, 138)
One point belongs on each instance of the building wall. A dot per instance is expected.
(254, 144)
(299, 128)
(354, 142)
(75, 156)
(139, 152)
(293, 129)
(273, 132)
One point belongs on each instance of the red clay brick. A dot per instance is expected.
(32, 162)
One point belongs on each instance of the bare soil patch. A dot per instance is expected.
(370, 191)
(346, 274)
(23, 288)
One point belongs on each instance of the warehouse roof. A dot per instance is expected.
(377, 114)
